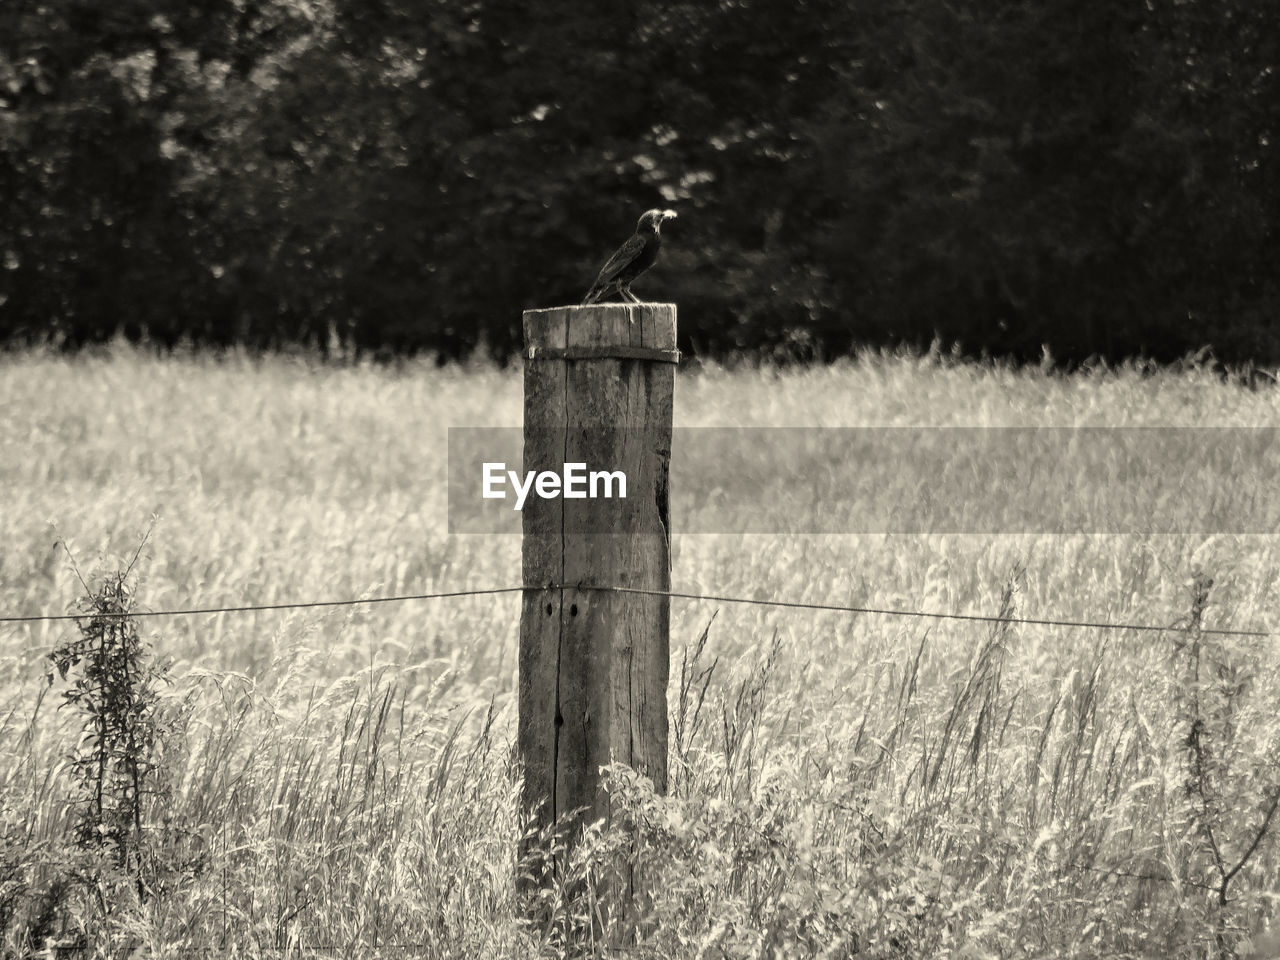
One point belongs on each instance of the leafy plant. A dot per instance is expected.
(111, 861)
(1232, 780)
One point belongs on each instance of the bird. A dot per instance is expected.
(631, 259)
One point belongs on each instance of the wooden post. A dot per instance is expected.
(593, 665)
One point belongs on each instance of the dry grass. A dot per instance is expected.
(851, 786)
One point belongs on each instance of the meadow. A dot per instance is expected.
(340, 781)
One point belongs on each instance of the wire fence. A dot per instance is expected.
(670, 594)
(69, 952)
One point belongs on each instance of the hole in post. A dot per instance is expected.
(573, 610)
(548, 609)
(559, 719)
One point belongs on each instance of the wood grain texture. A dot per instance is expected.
(593, 665)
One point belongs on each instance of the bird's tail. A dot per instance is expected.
(593, 295)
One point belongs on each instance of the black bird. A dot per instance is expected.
(631, 259)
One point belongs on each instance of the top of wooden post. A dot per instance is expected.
(651, 325)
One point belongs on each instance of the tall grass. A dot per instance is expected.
(841, 786)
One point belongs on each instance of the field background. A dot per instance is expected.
(849, 786)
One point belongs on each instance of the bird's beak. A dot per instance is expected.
(669, 214)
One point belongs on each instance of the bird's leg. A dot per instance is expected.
(629, 297)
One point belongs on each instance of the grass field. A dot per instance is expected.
(848, 786)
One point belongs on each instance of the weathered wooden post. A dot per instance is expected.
(593, 664)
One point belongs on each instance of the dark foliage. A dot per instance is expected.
(402, 176)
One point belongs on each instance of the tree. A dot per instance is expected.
(411, 175)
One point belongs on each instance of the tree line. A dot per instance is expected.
(401, 176)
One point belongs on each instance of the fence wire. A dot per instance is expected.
(1175, 627)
